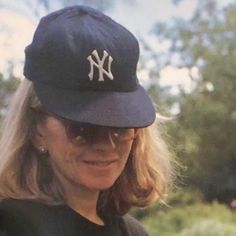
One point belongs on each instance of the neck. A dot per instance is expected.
(84, 202)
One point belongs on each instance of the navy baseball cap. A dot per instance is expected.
(83, 67)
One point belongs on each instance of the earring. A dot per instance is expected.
(42, 150)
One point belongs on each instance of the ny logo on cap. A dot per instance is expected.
(100, 65)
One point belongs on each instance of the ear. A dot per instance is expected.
(38, 136)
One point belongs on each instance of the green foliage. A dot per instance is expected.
(185, 197)
(209, 228)
(205, 132)
(189, 215)
(7, 87)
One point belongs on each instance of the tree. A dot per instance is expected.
(7, 88)
(205, 132)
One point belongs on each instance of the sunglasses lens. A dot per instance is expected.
(79, 131)
(122, 134)
(88, 133)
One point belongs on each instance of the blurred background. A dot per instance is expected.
(188, 66)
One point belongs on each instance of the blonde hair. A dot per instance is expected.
(24, 174)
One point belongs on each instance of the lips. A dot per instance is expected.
(100, 163)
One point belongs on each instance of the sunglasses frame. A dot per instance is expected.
(88, 133)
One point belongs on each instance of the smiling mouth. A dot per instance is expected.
(100, 163)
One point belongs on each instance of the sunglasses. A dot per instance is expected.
(86, 133)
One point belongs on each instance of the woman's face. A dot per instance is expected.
(92, 166)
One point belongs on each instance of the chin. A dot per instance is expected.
(100, 186)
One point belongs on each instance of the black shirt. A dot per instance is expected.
(29, 218)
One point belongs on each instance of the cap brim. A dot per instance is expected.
(112, 109)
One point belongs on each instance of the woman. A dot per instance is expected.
(79, 146)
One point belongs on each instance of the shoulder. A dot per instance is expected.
(30, 210)
(15, 207)
(30, 218)
(16, 215)
(133, 226)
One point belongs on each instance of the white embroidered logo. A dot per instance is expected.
(100, 65)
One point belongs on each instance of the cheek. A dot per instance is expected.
(124, 152)
(63, 161)
(125, 149)
(60, 151)
(57, 142)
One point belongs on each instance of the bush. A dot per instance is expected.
(209, 228)
(185, 216)
(176, 199)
